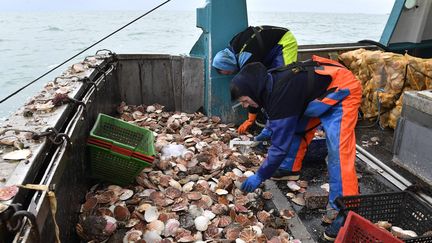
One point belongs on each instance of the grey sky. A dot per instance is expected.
(338, 6)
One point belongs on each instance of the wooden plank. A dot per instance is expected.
(130, 82)
(176, 75)
(192, 84)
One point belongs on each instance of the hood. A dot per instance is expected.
(225, 60)
(250, 81)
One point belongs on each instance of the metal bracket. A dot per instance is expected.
(86, 80)
(15, 222)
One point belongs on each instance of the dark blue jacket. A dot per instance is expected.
(284, 103)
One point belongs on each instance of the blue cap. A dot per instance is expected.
(225, 60)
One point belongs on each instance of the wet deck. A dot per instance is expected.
(315, 172)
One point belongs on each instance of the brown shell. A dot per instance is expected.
(239, 208)
(223, 200)
(232, 232)
(194, 196)
(248, 235)
(172, 192)
(121, 213)
(287, 214)
(106, 197)
(104, 211)
(263, 216)
(242, 220)
(242, 199)
(219, 209)
(267, 195)
(165, 216)
(89, 204)
(224, 182)
(224, 221)
(212, 233)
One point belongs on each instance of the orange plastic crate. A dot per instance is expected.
(358, 229)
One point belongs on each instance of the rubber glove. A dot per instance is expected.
(248, 123)
(264, 135)
(251, 183)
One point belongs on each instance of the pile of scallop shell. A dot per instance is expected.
(191, 194)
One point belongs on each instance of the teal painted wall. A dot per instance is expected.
(220, 20)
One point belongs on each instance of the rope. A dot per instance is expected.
(81, 52)
(52, 201)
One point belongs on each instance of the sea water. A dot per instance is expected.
(31, 43)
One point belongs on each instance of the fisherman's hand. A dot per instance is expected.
(251, 183)
(247, 124)
(264, 135)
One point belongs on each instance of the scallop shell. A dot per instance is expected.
(299, 200)
(152, 236)
(132, 222)
(121, 213)
(111, 225)
(188, 186)
(132, 236)
(267, 195)
(8, 192)
(221, 192)
(18, 154)
(237, 172)
(248, 173)
(263, 216)
(171, 227)
(232, 232)
(125, 194)
(383, 224)
(157, 226)
(173, 193)
(194, 196)
(292, 185)
(287, 214)
(219, 209)
(248, 235)
(151, 214)
(201, 223)
(175, 184)
(325, 187)
(224, 221)
(195, 211)
(209, 214)
(89, 204)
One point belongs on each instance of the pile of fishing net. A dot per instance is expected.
(384, 77)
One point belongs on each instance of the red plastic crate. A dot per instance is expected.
(358, 229)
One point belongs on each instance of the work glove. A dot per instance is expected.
(264, 135)
(246, 124)
(251, 183)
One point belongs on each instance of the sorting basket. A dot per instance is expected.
(123, 135)
(119, 150)
(401, 209)
(358, 229)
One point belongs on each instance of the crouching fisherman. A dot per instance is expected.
(296, 98)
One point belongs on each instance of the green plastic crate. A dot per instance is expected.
(123, 134)
(114, 167)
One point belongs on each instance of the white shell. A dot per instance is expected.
(238, 240)
(151, 214)
(248, 173)
(237, 172)
(18, 154)
(292, 185)
(257, 230)
(325, 187)
(151, 236)
(132, 235)
(213, 186)
(188, 186)
(150, 108)
(175, 184)
(195, 211)
(143, 207)
(171, 227)
(126, 194)
(201, 223)
(221, 192)
(209, 214)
